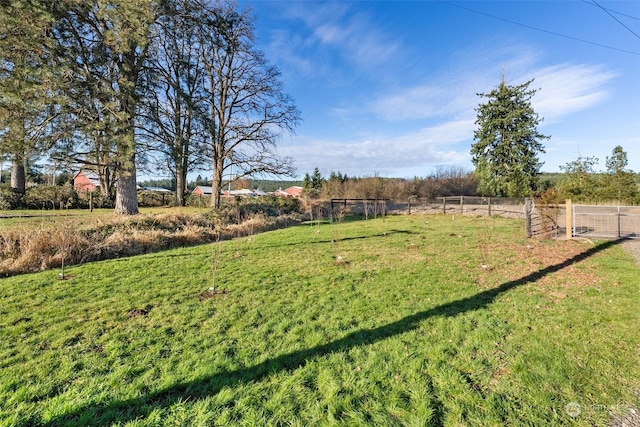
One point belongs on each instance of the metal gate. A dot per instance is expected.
(606, 221)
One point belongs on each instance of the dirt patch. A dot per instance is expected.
(630, 419)
(96, 349)
(137, 312)
(206, 295)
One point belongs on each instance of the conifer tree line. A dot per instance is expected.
(116, 85)
(579, 181)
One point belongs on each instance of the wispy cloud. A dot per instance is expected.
(446, 143)
(569, 88)
(564, 89)
(451, 92)
(333, 28)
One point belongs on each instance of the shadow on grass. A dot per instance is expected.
(141, 407)
(272, 246)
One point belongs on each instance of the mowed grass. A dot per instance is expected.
(423, 320)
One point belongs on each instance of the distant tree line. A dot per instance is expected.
(579, 181)
(445, 181)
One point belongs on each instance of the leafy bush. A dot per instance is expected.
(82, 199)
(270, 206)
(197, 201)
(49, 197)
(9, 199)
(154, 198)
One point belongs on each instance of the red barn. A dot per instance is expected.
(202, 190)
(294, 192)
(86, 181)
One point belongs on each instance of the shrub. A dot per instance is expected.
(149, 198)
(270, 206)
(197, 201)
(9, 199)
(82, 199)
(49, 197)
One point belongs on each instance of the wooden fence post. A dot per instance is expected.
(527, 217)
(489, 206)
(568, 219)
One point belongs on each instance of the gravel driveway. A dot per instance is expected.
(633, 247)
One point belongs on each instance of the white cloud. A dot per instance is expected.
(446, 143)
(452, 93)
(569, 88)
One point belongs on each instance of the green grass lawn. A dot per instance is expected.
(423, 320)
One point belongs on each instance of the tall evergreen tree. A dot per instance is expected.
(27, 84)
(106, 44)
(507, 142)
(317, 180)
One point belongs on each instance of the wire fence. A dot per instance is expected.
(546, 221)
(606, 221)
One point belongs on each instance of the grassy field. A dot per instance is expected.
(76, 217)
(407, 320)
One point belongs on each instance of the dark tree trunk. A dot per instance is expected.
(181, 184)
(126, 192)
(18, 174)
(126, 180)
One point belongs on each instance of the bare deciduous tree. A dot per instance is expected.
(169, 114)
(246, 106)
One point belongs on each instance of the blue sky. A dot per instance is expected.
(389, 88)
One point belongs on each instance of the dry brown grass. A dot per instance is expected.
(47, 246)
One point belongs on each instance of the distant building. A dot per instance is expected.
(244, 192)
(295, 191)
(86, 181)
(202, 190)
